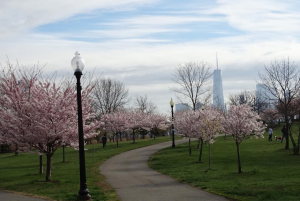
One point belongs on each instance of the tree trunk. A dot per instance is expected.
(295, 145)
(238, 154)
(64, 156)
(117, 141)
(48, 174)
(287, 145)
(190, 148)
(200, 156)
(198, 144)
(209, 156)
(41, 164)
(17, 149)
(133, 136)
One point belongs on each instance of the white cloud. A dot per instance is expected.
(260, 16)
(163, 20)
(121, 33)
(16, 16)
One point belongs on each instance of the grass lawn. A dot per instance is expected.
(20, 173)
(269, 171)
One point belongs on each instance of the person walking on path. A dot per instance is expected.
(270, 134)
(283, 130)
(104, 140)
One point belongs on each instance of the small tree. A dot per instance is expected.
(136, 120)
(184, 122)
(154, 122)
(210, 123)
(116, 123)
(241, 122)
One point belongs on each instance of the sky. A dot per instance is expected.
(142, 42)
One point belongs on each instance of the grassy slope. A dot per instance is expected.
(269, 172)
(20, 173)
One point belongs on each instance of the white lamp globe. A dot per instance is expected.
(77, 63)
(172, 102)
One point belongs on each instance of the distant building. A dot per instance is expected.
(218, 97)
(264, 96)
(182, 107)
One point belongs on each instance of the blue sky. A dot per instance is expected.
(141, 42)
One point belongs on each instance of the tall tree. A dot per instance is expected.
(109, 95)
(193, 81)
(143, 104)
(282, 80)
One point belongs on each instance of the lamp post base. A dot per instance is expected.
(84, 195)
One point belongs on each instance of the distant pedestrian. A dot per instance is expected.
(284, 133)
(270, 134)
(104, 140)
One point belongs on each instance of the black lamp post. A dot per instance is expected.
(78, 65)
(173, 139)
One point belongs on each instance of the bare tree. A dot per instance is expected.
(242, 97)
(193, 81)
(109, 95)
(282, 80)
(143, 104)
(250, 97)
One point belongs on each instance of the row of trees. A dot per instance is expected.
(133, 120)
(240, 122)
(281, 83)
(40, 113)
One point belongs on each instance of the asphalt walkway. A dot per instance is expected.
(128, 173)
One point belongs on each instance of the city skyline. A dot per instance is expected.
(141, 43)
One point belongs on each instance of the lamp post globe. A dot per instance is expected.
(78, 64)
(173, 138)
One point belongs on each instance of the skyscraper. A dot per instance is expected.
(264, 97)
(218, 97)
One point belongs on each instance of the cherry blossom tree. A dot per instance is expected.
(241, 122)
(154, 122)
(136, 120)
(42, 113)
(210, 125)
(270, 115)
(116, 123)
(186, 123)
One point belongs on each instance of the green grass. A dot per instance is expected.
(20, 173)
(269, 171)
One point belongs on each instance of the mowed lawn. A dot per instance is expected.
(21, 173)
(269, 171)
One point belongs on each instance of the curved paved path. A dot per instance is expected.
(128, 173)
